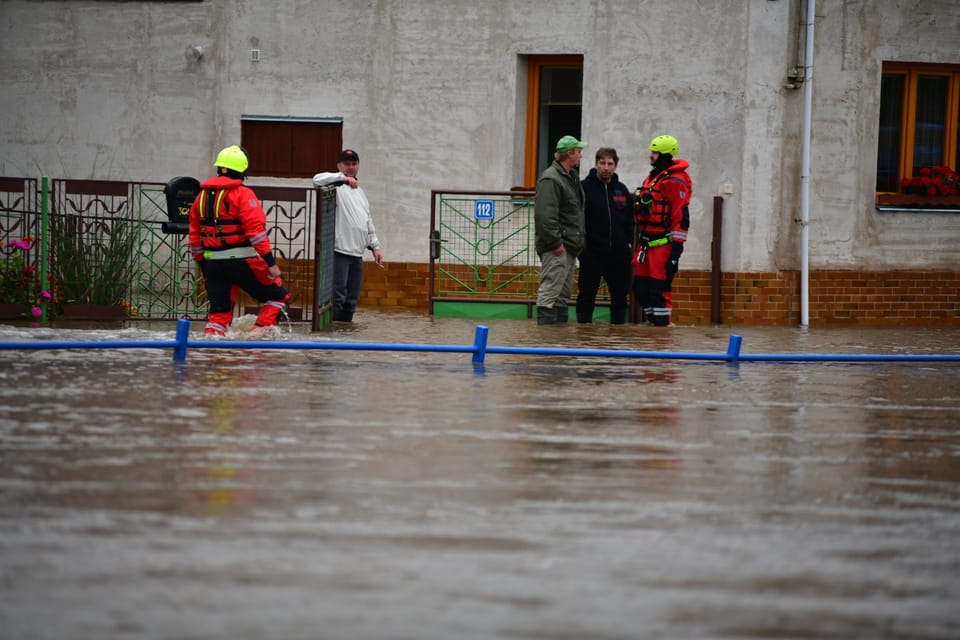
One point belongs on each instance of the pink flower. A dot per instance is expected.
(18, 278)
(36, 312)
(46, 295)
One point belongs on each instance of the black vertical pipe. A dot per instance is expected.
(434, 250)
(716, 276)
(316, 323)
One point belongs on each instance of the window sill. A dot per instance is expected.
(913, 202)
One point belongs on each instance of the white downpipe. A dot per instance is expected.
(805, 168)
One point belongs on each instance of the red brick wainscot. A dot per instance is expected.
(870, 298)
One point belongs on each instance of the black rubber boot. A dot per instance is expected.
(546, 315)
(618, 316)
(563, 313)
(584, 318)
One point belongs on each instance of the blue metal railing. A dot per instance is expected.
(182, 342)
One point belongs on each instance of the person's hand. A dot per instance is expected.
(378, 258)
(673, 264)
(274, 272)
(676, 250)
(351, 182)
(559, 251)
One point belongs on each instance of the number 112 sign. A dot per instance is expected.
(483, 209)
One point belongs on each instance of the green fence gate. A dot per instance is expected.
(483, 261)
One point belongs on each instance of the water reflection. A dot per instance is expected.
(373, 494)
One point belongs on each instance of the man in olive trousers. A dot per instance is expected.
(559, 230)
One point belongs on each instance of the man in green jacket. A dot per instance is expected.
(559, 224)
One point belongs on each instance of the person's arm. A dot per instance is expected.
(677, 193)
(254, 221)
(194, 238)
(629, 219)
(546, 214)
(333, 179)
(327, 179)
(373, 242)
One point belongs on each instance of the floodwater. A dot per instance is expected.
(283, 494)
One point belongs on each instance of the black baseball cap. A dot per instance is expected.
(349, 154)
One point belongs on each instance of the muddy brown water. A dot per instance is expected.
(339, 494)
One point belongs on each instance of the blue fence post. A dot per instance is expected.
(480, 344)
(183, 334)
(733, 349)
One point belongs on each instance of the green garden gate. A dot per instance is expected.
(483, 261)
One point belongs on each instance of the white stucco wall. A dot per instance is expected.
(431, 93)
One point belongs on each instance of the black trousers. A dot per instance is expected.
(222, 275)
(616, 271)
(347, 282)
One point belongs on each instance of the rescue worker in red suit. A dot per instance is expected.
(663, 217)
(228, 239)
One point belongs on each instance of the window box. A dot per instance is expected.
(10, 311)
(78, 311)
(916, 201)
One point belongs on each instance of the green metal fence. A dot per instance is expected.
(483, 261)
(163, 283)
(481, 253)
(166, 283)
(20, 220)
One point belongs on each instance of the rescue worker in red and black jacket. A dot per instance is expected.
(228, 239)
(663, 218)
(609, 221)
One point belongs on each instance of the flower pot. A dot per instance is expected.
(76, 311)
(14, 312)
(916, 201)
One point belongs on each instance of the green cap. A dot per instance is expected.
(569, 142)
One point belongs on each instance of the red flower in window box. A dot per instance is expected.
(933, 182)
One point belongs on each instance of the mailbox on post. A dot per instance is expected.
(180, 193)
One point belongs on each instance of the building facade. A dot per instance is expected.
(458, 94)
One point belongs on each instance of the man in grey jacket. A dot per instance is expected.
(559, 226)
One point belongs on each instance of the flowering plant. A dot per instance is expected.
(933, 181)
(19, 281)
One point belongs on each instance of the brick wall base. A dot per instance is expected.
(848, 297)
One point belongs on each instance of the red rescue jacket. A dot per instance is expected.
(227, 215)
(663, 204)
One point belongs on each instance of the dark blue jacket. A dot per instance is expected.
(609, 216)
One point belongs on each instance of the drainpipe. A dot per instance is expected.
(805, 168)
(716, 272)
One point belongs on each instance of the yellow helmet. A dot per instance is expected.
(665, 144)
(233, 158)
